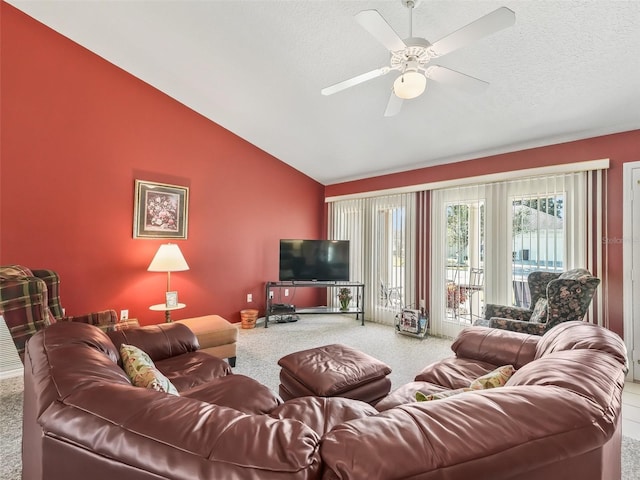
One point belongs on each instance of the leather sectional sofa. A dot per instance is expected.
(557, 417)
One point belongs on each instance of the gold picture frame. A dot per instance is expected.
(160, 210)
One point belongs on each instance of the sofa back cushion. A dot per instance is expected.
(575, 274)
(577, 335)
(157, 345)
(495, 346)
(540, 309)
(8, 271)
(591, 374)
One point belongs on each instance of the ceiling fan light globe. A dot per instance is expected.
(409, 85)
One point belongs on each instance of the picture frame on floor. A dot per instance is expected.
(160, 210)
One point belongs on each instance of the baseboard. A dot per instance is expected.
(17, 372)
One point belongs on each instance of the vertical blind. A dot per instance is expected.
(400, 250)
(382, 235)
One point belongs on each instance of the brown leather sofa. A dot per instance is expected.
(558, 416)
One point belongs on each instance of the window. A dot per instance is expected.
(538, 240)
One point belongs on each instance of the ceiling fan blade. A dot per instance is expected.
(377, 26)
(354, 81)
(393, 106)
(457, 79)
(482, 27)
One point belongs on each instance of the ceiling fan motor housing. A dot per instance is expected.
(416, 53)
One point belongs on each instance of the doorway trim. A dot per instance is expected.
(627, 269)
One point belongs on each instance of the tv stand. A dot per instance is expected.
(357, 292)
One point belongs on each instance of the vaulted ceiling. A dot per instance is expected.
(566, 70)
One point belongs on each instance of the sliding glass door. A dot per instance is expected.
(487, 238)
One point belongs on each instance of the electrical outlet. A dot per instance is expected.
(270, 294)
(124, 314)
(286, 292)
(249, 297)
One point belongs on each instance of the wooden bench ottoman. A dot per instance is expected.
(333, 371)
(216, 336)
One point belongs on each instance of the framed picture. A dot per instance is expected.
(160, 210)
(172, 299)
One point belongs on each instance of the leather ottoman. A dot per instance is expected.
(215, 335)
(333, 371)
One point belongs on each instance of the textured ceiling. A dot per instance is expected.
(566, 70)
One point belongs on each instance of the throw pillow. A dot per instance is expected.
(142, 372)
(496, 378)
(539, 314)
(423, 397)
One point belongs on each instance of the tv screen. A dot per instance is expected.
(314, 260)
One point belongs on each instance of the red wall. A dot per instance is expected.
(77, 131)
(619, 148)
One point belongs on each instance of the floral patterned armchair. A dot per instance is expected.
(30, 301)
(555, 298)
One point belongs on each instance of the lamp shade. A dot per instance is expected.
(409, 85)
(168, 258)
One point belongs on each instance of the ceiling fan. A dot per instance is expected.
(411, 57)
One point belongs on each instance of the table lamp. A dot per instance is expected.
(168, 259)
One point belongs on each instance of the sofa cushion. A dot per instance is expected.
(238, 392)
(407, 394)
(539, 314)
(452, 373)
(158, 341)
(593, 375)
(575, 274)
(142, 371)
(579, 335)
(495, 378)
(323, 413)
(189, 370)
(495, 346)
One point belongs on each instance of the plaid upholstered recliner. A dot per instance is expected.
(555, 298)
(30, 301)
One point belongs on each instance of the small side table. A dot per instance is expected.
(161, 307)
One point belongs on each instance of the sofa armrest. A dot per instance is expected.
(23, 304)
(158, 341)
(520, 326)
(105, 320)
(503, 311)
(495, 346)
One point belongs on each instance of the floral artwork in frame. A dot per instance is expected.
(160, 210)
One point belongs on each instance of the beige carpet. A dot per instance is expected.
(258, 352)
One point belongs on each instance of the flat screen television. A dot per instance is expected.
(314, 260)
